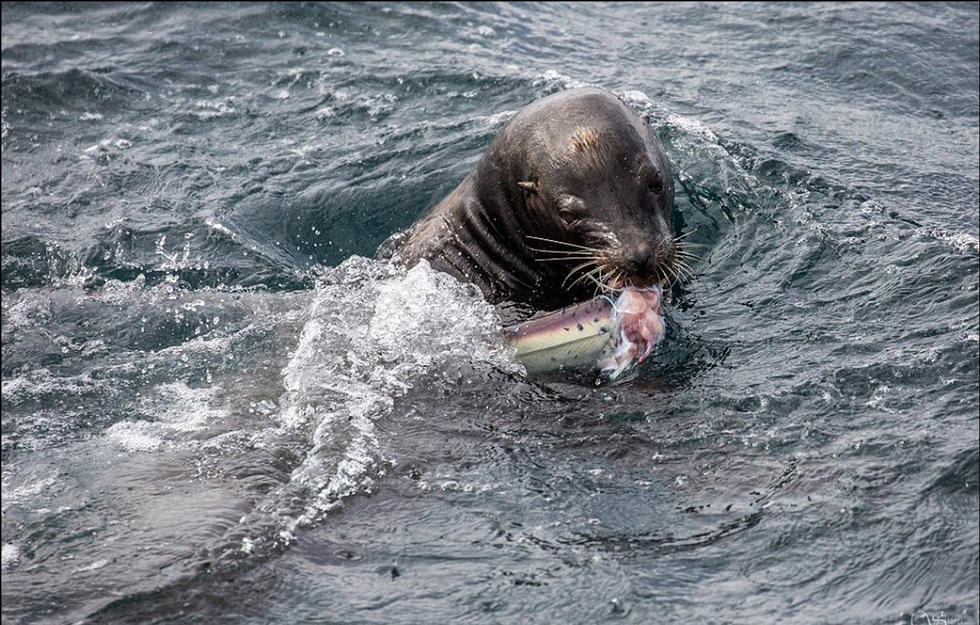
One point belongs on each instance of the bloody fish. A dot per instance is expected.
(605, 333)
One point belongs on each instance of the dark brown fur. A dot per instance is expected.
(572, 172)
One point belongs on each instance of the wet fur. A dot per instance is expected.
(510, 229)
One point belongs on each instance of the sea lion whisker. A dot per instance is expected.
(687, 244)
(601, 286)
(670, 276)
(685, 272)
(597, 273)
(583, 255)
(573, 271)
(615, 278)
(606, 276)
(604, 283)
(566, 258)
(565, 243)
(604, 279)
(547, 251)
(589, 275)
(683, 248)
(579, 279)
(598, 285)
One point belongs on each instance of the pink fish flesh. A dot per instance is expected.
(612, 335)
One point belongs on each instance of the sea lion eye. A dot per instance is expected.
(571, 205)
(656, 184)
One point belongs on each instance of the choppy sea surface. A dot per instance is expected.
(218, 408)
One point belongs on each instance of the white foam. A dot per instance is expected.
(248, 545)
(418, 319)
(879, 397)
(566, 81)
(185, 409)
(135, 436)
(30, 489)
(176, 259)
(960, 241)
(691, 126)
(10, 556)
(637, 98)
(177, 410)
(211, 109)
(373, 331)
(94, 566)
(498, 118)
(40, 382)
(218, 227)
(30, 309)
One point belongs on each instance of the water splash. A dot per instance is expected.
(373, 331)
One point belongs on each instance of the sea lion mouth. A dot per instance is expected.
(606, 266)
(663, 273)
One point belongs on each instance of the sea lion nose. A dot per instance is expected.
(642, 260)
(645, 264)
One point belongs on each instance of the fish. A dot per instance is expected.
(611, 334)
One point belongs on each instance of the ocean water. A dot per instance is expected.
(218, 408)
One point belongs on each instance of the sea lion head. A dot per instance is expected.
(596, 192)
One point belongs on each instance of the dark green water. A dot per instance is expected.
(216, 409)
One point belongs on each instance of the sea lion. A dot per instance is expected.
(574, 196)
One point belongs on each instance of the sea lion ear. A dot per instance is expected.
(646, 118)
(529, 186)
